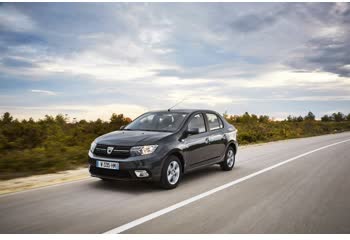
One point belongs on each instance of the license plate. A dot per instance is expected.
(108, 165)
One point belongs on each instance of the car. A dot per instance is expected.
(161, 146)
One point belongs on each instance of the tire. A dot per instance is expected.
(171, 173)
(229, 161)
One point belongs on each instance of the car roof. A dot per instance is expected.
(187, 110)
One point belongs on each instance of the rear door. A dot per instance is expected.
(217, 140)
(197, 144)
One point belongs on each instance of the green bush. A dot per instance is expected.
(53, 144)
(251, 130)
(48, 145)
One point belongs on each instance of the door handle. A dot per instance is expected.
(207, 141)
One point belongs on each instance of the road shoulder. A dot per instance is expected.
(38, 181)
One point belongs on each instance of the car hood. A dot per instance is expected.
(131, 138)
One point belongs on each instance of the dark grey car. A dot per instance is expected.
(163, 145)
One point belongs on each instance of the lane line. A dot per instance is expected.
(163, 211)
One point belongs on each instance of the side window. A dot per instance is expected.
(214, 121)
(197, 122)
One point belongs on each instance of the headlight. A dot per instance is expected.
(92, 147)
(143, 150)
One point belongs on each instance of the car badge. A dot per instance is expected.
(110, 150)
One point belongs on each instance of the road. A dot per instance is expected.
(310, 194)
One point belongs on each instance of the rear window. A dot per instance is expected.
(214, 121)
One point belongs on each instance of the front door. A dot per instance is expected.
(197, 144)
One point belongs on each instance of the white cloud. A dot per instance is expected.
(46, 92)
(289, 77)
(87, 112)
(121, 59)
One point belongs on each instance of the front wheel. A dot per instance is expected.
(171, 173)
(229, 161)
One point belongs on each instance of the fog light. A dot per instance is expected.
(141, 173)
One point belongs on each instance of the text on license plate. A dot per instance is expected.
(108, 165)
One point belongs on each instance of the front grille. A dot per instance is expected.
(118, 151)
(110, 173)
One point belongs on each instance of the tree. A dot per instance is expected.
(264, 118)
(118, 120)
(326, 118)
(338, 117)
(245, 117)
(254, 118)
(348, 117)
(60, 119)
(310, 117)
(6, 118)
(299, 119)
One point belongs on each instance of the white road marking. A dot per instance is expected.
(163, 211)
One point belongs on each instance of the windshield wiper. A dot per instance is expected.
(150, 130)
(160, 130)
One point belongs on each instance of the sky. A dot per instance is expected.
(91, 60)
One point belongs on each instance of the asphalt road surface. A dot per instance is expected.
(290, 188)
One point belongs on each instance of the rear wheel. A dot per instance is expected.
(171, 173)
(229, 161)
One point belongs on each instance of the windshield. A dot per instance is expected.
(158, 121)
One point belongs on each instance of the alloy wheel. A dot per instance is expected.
(173, 172)
(230, 158)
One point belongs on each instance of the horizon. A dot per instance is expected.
(72, 119)
(92, 60)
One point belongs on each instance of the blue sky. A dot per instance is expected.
(90, 60)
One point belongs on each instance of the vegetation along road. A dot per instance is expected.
(58, 143)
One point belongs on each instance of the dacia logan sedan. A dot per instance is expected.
(162, 146)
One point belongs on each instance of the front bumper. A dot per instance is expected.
(151, 163)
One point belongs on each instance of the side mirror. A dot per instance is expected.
(192, 131)
(122, 127)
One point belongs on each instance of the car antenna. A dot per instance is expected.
(176, 104)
